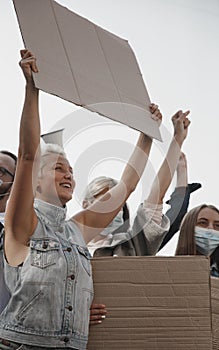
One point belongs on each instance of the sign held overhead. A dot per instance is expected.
(85, 64)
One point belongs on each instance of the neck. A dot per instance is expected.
(57, 203)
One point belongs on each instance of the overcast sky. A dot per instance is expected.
(176, 45)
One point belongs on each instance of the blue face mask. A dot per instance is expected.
(113, 225)
(207, 240)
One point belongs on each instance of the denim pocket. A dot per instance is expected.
(9, 345)
(43, 252)
(85, 258)
(36, 311)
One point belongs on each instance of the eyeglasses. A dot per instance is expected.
(4, 171)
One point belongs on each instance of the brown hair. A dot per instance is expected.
(186, 243)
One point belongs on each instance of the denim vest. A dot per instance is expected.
(52, 290)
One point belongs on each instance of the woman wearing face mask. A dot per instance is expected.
(150, 225)
(199, 235)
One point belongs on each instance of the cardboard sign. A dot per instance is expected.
(155, 303)
(85, 64)
(215, 311)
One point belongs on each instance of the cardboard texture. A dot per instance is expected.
(154, 303)
(215, 311)
(85, 64)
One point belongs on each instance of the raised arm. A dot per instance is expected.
(169, 165)
(179, 200)
(177, 197)
(102, 211)
(20, 217)
(150, 222)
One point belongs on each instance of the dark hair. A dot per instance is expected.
(186, 242)
(10, 154)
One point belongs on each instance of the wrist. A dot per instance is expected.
(30, 86)
(179, 139)
(145, 138)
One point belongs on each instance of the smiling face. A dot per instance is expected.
(56, 182)
(208, 218)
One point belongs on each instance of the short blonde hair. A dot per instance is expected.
(46, 150)
(97, 185)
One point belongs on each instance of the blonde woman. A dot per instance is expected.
(47, 263)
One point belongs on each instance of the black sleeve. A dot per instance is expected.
(1, 235)
(179, 202)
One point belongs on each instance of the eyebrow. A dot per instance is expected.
(60, 163)
(6, 171)
(204, 219)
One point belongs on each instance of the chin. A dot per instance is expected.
(65, 199)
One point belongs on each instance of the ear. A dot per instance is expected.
(85, 204)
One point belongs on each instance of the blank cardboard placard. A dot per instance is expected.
(85, 64)
(153, 303)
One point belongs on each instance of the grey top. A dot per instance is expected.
(143, 238)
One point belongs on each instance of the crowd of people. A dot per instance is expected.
(47, 298)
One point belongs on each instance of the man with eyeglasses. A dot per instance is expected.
(7, 170)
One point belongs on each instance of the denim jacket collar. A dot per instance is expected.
(49, 213)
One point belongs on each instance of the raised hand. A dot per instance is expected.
(156, 114)
(28, 65)
(180, 123)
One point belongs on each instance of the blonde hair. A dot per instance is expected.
(46, 150)
(97, 185)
